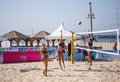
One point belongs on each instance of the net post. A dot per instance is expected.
(72, 48)
(118, 41)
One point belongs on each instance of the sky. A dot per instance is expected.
(32, 16)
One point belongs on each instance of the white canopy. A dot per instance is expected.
(56, 34)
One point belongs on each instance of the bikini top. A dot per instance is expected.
(89, 43)
(43, 50)
(61, 44)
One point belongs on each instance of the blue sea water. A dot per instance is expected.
(106, 39)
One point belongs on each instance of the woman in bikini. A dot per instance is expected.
(44, 58)
(61, 47)
(90, 45)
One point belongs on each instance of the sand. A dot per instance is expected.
(101, 71)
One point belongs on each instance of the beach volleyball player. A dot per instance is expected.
(60, 50)
(90, 45)
(44, 58)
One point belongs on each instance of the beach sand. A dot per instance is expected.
(101, 71)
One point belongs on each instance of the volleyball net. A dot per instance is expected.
(106, 41)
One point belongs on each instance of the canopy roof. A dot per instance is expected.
(15, 34)
(56, 34)
(41, 34)
(2, 38)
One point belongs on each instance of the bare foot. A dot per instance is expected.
(61, 68)
(64, 67)
(44, 73)
(89, 68)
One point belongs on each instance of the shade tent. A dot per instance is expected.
(3, 38)
(15, 35)
(56, 34)
(40, 35)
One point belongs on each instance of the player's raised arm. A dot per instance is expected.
(60, 35)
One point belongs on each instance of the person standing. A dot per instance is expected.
(61, 47)
(90, 45)
(44, 58)
(115, 46)
(69, 51)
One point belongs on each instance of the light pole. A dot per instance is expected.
(91, 16)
